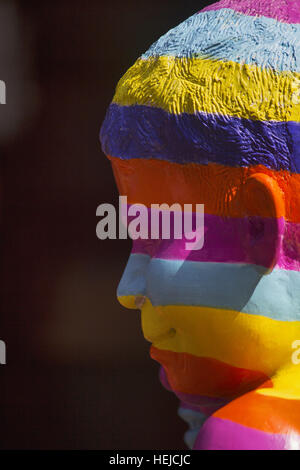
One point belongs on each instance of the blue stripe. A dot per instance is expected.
(231, 36)
(243, 288)
(147, 132)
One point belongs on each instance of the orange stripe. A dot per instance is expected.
(205, 376)
(156, 181)
(269, 414)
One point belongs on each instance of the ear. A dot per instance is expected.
(262, 195)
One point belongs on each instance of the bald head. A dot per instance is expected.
(222, 87)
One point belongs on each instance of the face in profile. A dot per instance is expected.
(197, 120)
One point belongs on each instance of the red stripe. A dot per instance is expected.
(193, 375)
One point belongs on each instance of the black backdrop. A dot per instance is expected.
(78, 373)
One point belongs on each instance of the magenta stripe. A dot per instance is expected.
(287, 11)
(229, 240)
(222, 434)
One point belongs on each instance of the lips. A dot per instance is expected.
(204, 376)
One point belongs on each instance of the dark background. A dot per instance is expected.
(78, 373)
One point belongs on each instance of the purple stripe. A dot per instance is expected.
(203, 404)
(221, 434)
(228, 240)
(145, 132)
(205, 409)
(281, 10)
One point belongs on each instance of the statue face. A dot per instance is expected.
(191, 301)
(210, 115)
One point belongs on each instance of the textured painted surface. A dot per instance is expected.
(211, 86)
(266, 42)
(282, 10)
(210, 114)
(194, 185)
(200, 138)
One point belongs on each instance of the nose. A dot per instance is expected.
(131, 291)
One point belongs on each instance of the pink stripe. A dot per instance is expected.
(222, 434)
(287, 11)
(233, 240)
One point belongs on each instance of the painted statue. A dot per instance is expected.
(211, 114)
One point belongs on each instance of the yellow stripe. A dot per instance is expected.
(238, 339)
(180, 85)
(286, 383)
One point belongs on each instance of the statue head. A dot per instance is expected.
(210, 115)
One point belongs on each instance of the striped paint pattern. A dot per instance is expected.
(213, 102)
(286, 11)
